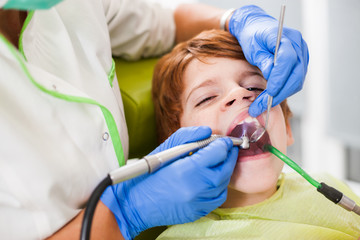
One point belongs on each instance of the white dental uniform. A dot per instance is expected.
(58, 138)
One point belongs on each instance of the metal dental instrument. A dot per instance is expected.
(260, 131)
(151, 163)
(278, 40)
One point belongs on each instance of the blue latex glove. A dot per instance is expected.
(181, 192)
(256, 32)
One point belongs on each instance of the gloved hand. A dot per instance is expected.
(256, 32)
(180, 192)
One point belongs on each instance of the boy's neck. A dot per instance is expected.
(239, 199)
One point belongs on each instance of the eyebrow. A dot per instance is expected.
(206, 83)
(251, 73)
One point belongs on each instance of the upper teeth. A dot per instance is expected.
(250, 120)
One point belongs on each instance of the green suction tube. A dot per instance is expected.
(292, 164)
(330, 193)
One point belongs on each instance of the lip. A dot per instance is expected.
(253, 157)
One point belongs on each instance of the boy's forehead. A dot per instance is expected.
(212, 68)
(206, 63)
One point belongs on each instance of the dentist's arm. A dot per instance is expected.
(165, 197)
(191, 19)
(104, 226)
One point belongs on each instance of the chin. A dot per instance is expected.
(258, 181)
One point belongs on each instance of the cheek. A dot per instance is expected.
(277, 130)
(188, 119)
(193, 118)
(199, 118)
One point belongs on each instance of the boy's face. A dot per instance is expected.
(218, 94)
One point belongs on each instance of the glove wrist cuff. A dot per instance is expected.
(120, 212)
(225, 17)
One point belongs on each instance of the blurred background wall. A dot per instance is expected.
(326, 123)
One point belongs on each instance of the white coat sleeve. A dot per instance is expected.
(139, 28)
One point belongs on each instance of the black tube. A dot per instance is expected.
(330, 193)
(90, 207)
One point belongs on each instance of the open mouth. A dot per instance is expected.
(247, 128)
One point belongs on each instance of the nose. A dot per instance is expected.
(238, 96)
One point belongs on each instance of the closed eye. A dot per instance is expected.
(255, 89)
(204, 101)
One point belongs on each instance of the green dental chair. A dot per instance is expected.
(135, 85)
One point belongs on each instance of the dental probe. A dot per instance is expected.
(147, 164)
(330, 193)
(278, 40)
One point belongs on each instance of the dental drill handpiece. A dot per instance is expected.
(151, 163)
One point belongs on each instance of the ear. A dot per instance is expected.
(290, 138)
